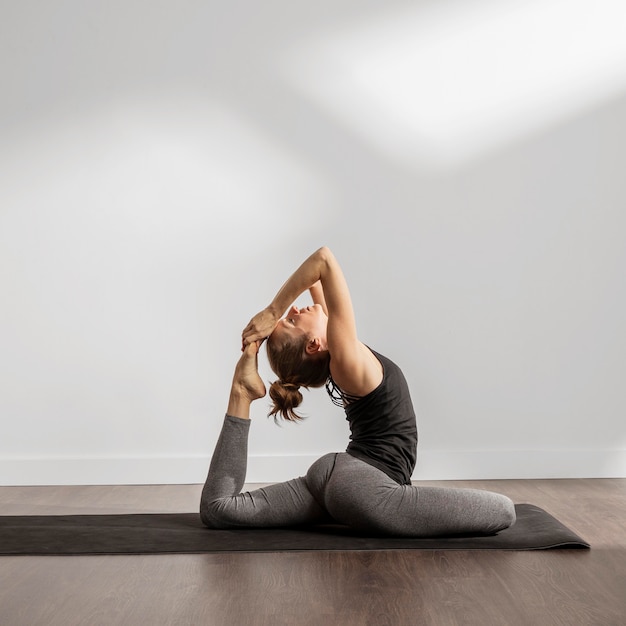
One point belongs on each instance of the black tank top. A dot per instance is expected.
(382, 424)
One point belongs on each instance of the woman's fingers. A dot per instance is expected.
(248, 338)
(245, 343)
(259, 327)
(247, 335)
(252, 348)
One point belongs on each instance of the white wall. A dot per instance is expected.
(163, 168)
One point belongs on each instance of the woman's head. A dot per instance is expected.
(298, 355)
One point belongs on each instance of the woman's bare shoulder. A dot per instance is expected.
(359, 373)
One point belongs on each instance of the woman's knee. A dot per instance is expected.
(499, 512)
(210, 515)
(224, 513)
(507, 515)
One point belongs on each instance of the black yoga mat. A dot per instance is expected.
(184, 533)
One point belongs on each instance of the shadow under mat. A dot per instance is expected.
(162, 533)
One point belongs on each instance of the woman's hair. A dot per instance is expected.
(294, 369)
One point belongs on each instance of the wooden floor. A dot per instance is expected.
(565, 587)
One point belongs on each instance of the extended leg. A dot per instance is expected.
(221, 504)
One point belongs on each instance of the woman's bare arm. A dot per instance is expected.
(317, 295)
(353, 366)
(307, 275)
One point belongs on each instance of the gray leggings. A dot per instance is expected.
(339, 488)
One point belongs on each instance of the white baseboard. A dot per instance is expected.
(432, 465)
(519, 464)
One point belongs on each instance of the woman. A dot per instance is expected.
(367, 487)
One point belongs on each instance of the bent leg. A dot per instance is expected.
(223, 506)
(365, 498)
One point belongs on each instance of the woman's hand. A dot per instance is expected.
(260, 327)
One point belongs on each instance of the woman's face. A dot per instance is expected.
(310, 321)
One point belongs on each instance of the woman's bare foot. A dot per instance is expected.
(247, 373)
(247, 384)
